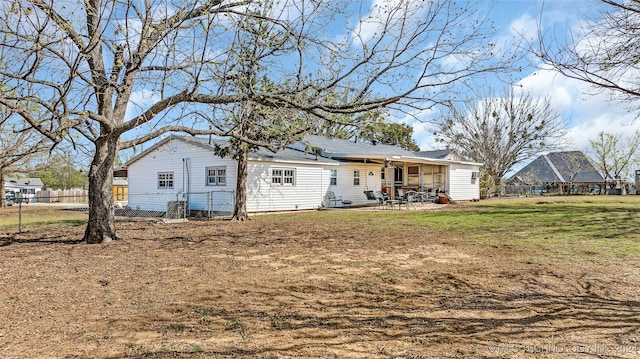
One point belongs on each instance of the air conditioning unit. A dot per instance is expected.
(176, 209)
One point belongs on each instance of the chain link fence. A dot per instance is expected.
(172, 205)
(558, 189)
(25, 212)
(176, 205)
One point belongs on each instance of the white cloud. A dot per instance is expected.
(139, 101)
(547, 82)
(383, 15)
(587, 113)
(422, 123)
(525, 27)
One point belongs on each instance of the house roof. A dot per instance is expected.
(24, 182)
(351, 150)
(559, 167)
(120, 172)
(317, 149)
(441, 154)
(283, 155)
(341, 148)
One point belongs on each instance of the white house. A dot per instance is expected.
(179, 170)
(28, 187)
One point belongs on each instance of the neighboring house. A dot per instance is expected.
(28, 187)
(120, 190)
(569, 171)
(178, 169)
(120, 185)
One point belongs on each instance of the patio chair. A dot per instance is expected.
(384, 200)
(421, 198)
(335, 200)
(370, 196)
(409, 199)
(381, 200)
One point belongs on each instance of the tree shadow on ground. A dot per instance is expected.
(51, 239)
(385, 322)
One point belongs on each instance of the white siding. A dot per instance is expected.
(461, 187)
(308, 192)
(187, 162)
(305, 193)
(345, 187)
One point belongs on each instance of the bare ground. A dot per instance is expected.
(287, 287)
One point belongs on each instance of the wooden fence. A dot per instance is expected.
(62, 196)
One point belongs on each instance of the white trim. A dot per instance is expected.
(553, 167)
(172, 180)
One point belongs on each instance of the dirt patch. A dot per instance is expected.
(290, 288)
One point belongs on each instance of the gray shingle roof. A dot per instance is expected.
(437, 154)
(559, 167)
(337, 148)
(287, 154)
(314, 148)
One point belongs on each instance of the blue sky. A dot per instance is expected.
(586, 114)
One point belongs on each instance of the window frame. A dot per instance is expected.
(356, 177)
(284, 177)
(333, 177)
(216, 175)
(169, 182)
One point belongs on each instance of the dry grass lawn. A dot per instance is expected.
(463, 281)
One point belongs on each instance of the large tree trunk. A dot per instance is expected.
(487, 185)
(240, 208)
(101, 225)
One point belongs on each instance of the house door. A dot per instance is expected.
(398, 178)
(371, 181)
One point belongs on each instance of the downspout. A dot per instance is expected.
(188, 187)
(185, 192)
(323, 184)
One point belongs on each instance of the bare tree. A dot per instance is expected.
(574, 163)
(17, 147)
(604, 53)
(373, 126)
(174, 67)
(501, 132)
(615, 154)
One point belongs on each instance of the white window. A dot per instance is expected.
(165, 180)
(282, 176)
(289, 177)
(216, 176)
(356, 178)
(333, 180)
